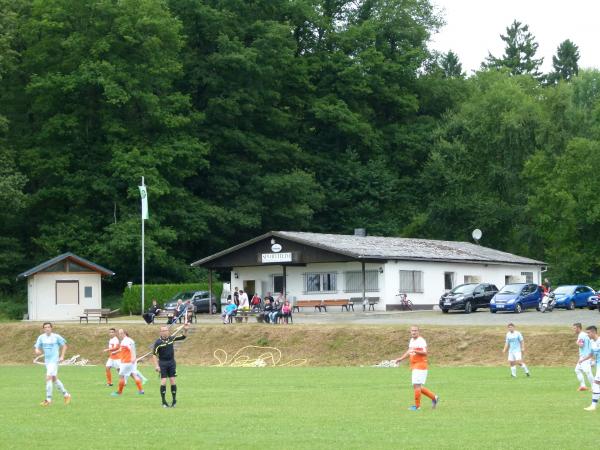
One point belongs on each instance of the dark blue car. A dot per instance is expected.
(572, 296)
(516, 297)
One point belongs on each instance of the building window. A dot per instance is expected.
(448, 280)
(87, 292)
(528, 276)
(411, 281)
(354, 281)
(277, 284)
(320, 282)
(67, 292)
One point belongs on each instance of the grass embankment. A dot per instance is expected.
(320, 345)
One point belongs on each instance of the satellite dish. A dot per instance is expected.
(477, 234)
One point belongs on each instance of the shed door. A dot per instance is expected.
(67, 292)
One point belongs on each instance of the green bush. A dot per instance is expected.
(13, 311)
(132, 298)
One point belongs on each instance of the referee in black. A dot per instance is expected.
(164, 361)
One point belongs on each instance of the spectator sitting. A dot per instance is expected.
(230, 310)
(268, 309)
(276, 312)
(255, 302)
(177, 312)
(286, 311)
(189, 312)
(152, 311)
(269, 297)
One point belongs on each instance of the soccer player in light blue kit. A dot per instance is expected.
(592, 333)
(49, 344)
(516, 347)
(584, 363)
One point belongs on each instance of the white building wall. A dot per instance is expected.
(389, 280)
(42, 295)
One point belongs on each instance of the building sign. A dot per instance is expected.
(276, 248)
(276, 257)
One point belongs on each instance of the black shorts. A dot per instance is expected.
(167, 369)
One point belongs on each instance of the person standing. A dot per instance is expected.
(417, 352)
(49, 344)
(127, 367)
(584, 362)
(592, 333)
(114, 357)
(164, 362)
(515, 345)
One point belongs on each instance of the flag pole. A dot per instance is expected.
(143, 252)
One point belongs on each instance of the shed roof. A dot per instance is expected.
(57, 259)
(380, 247)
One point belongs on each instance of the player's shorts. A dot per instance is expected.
(115, 363)
(51, 369)
(126, 369)
(419, 376)
(167, 369)
(585, 366)
(515, 356)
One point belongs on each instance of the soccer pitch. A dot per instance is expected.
(286, 408)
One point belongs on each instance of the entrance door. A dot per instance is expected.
(250, 287)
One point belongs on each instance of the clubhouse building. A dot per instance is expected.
(317, 266)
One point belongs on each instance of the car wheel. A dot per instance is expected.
(493, 311)
(571, 305)
(444, 310)
(474, 309)
(518, 308)
(213, 308)
(468, 308)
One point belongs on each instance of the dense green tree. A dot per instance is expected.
(451, 65)
(565, 62)
(519, 52)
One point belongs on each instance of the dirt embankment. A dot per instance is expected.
(320, 345)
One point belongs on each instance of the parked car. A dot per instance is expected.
(200, 300)
(572, 296)
(593, 301)
(516, 297)
(468, 297)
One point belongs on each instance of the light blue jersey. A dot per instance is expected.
(595, 349)
(51, 346)
(585, 345)
(514, 340)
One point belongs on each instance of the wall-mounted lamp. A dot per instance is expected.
(129, 284)
(236, 275)
(272, 241)
(380, 269)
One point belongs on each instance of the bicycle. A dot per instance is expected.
(405, 303)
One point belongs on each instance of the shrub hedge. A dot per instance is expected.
(132, 298)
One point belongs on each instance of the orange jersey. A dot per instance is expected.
(114, 346)
(127, 350)
(418, 361)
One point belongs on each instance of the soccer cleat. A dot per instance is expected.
(582, 388)
(165, 405)
(414, 408)
(108, 384)
(528, 374)
(590, 408)
(140, 392)
(435, 401)
(46, 403)
(173, 404)
(67, 399)
(115, 394)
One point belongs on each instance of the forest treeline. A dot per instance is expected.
(308, 115)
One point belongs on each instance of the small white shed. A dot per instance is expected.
(62, 287)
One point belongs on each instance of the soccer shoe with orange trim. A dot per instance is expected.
(590, 408)
(583, 388)
(46, 403)
(414, 408)
(67, 399)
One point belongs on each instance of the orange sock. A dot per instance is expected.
(138, 383)
(418, 397)
(428, 393)
(108, 376)
(121, 385)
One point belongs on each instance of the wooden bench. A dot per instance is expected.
(317, 304)
(372, 302)
(164, 314)
(100, 313)
(343, 302)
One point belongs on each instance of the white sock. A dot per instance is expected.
(595, 394)
(580, 378)
(524, 367)
(513, 371)
(60, 387)
(48, 390)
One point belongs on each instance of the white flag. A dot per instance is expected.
(144, 195)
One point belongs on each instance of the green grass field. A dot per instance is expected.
(345, 408)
